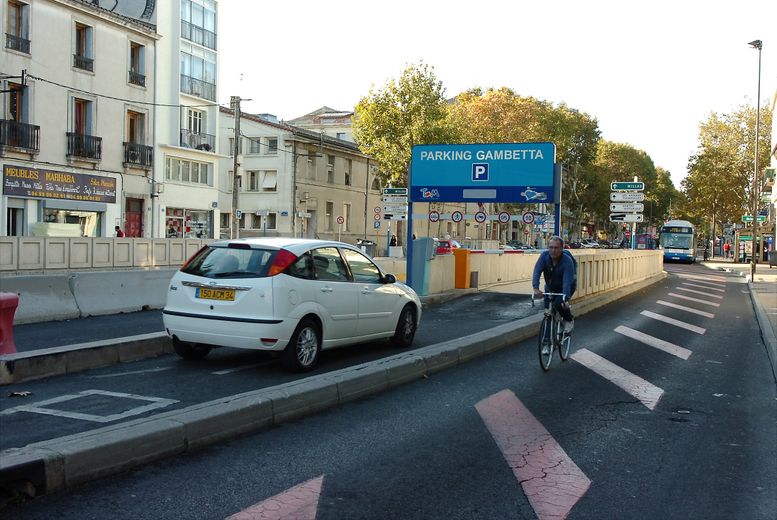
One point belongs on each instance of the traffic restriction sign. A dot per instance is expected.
(434, 216)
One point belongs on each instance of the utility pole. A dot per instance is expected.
(234, 102)
(757, 44)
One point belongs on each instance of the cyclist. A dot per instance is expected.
(560, 277)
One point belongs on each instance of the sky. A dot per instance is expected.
(649, 72)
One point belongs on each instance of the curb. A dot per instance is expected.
(72, 460)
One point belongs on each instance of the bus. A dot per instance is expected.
(678, 241)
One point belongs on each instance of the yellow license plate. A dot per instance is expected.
(216, 294)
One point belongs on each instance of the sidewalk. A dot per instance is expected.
(763, 293)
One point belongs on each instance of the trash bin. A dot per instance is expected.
(367, 246)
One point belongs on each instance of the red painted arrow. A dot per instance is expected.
(297, 503)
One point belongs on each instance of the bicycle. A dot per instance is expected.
(552, 335)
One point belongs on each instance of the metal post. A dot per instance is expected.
(757, 44)
(235, 102)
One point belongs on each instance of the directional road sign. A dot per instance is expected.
(627, 186)
(625, 217)
(395, 191)
(627, 206)
(394, 199)
(749, 218)
(627, 197)
(395, 208)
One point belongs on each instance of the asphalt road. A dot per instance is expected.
(694, 439)
(116, 390)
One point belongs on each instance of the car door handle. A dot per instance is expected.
(326, 289)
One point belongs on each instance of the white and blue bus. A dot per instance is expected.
(678, 241)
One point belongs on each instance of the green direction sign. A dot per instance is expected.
(766, 197)
(749, 218)
(394, 191)
(635, 186)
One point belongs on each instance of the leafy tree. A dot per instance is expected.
(409, 111)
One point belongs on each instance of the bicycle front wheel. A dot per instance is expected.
(546, 343)
(564, 342)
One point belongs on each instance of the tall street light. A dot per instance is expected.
(756, 44)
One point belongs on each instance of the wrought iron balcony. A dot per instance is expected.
(19, 135)
(82, 62)
(137, 79)
(138, 155)
(198, 88)
(17, 43)
(198, 35)
(191, 139)
(84, 146)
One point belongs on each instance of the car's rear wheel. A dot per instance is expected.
(302, 352)
(190, 350)
(406, 328)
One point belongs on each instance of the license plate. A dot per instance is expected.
(215, 294)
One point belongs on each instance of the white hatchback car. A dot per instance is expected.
(294, 296)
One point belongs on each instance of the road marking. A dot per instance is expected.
(40, 407)
(297, 503)
(716, 280)
(550, 479)
(671, 348)
(672, 321)
(697, 300)
(704, 287)
(708, 295)
(134, 372)
(246, 367)
(687, 309)
(647, 393)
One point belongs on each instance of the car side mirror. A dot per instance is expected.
(389, 278)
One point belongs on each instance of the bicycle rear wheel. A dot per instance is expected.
(545, 343)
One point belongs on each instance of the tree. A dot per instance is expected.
(409, 111)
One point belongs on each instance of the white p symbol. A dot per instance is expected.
(480, 172)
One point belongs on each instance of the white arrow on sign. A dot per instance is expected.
(627, 206)
(625, 217)
(394, 200)
(395, 208)
(627, 197)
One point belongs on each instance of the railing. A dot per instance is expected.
(191, 139)
(197, 87)
(138, 154)
(17, 43)
(84, 146)
(20, 135)
(137, 79)
(82, 62)
(198, 35)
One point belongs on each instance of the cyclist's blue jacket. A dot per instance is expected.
(558, 278)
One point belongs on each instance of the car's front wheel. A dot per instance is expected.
(302, 352)
(406, 327)
(190, 350)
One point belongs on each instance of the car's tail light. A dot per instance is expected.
(281, 261)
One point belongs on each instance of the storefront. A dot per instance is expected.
(44, 202)
(188, 223)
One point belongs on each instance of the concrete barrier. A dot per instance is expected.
(42, 298)
(111, 292)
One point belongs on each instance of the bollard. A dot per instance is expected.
(8, 303)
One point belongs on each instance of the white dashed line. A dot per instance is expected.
(687, 309)
(671, 348)
(704, 287)
(672, 321)
(697, 300)
(647, 393)
(708, 295)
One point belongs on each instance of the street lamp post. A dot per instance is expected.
(756, 44)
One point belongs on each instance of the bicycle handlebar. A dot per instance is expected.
(547, 294)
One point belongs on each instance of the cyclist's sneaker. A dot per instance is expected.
(568, 326)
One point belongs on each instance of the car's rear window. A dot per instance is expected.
(229, 262)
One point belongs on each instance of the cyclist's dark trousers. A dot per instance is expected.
(566, 314)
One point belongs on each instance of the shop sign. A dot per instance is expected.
(49, 184)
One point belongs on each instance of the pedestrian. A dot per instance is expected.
(726, 249)
(393, 241)
(119, 232)
(706, 251)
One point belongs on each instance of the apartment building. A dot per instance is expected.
(76, 121)
(185, 176)
(328, 121)
(296, 182)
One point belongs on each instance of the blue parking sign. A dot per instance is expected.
(480, 172)
(376, 224)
